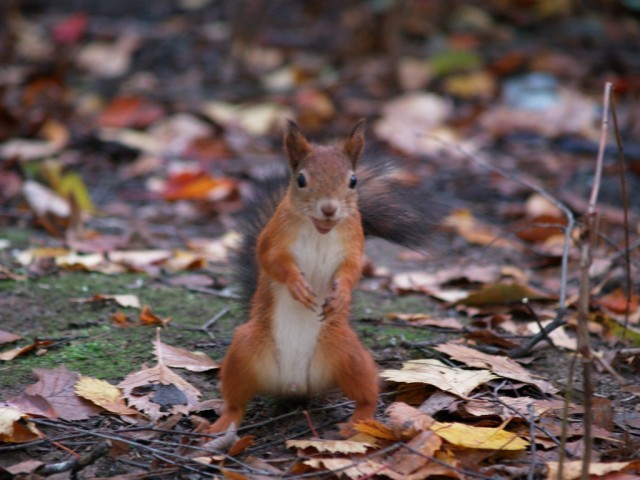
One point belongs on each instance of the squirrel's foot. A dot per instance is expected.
(301, 291)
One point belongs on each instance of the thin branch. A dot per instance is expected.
(625, 205)
(587, 237)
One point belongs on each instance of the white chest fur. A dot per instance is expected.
(296, 328)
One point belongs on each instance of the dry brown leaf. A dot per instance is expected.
(425, 319)
(181, 358)
(513, 407)
(469, 436)
(56, 386)
(158, 392)
(16, 352)
(406, 462)
(458, 381)
(503, 293)
(502, 366)
(34, 405)
(121, 320)
(356, 468)
(408, 420)
(332, 446)
(572, 470)
(24, 468)
(102, 394)
(14, 428)
(8, 337)
(147, 317)
(473, 231)
(617, 301)
(241, 445)
(124, 300)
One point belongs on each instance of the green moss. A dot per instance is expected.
(86, 339)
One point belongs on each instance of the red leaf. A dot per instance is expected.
(130, 112)
(71, 29)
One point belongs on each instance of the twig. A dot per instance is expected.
(311, 427)
(587, 237)
(76, 463)
(565, 416)
(532, 434)
(625, 205)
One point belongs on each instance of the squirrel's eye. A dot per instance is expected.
(302, 181)
(353, 181)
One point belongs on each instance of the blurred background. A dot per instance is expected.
(167, 110)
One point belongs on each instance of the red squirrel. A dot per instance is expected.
(297, 340)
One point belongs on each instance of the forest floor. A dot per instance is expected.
(132, 133)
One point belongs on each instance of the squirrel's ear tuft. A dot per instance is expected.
(354, 145)
(295, 144)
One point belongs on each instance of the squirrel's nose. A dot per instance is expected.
(329, 209)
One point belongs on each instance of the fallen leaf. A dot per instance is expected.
(241, 445)
(458, 381)
(16, 352)
(121, 320)
(56, 386)
(424, 319)
(103, 394)
(44, 201)
(71, 29)
(617, 301)
(502, 366)
(573, 469)
(408, 420)
(8, 337)
(410, 121)
(355, 469)
(34, 405)
(158, 392)
(332, 446)
(502, 293)
(181, 358)
(124, 300)
(474, 231)
(422, 447)
(256, 120)
(129, 111)
(469, 436)
(375, 429)
(107, 60)
(197, 186)
(6, 274)
(147, 317)
(14, 428)
(24, 468)
(471, 85)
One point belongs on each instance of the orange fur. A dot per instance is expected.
(309, 308)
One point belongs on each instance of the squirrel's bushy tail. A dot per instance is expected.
(395, 205)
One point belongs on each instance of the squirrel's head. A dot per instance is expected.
(323, 178)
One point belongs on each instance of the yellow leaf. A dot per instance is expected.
(103, 394)
(484, 438)
(72, 185)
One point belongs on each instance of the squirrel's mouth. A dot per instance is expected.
(324, 226)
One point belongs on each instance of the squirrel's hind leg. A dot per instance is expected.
(354, 370)
(239, 379)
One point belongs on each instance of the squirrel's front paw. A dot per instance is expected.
(301, 291)
(337, 302)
